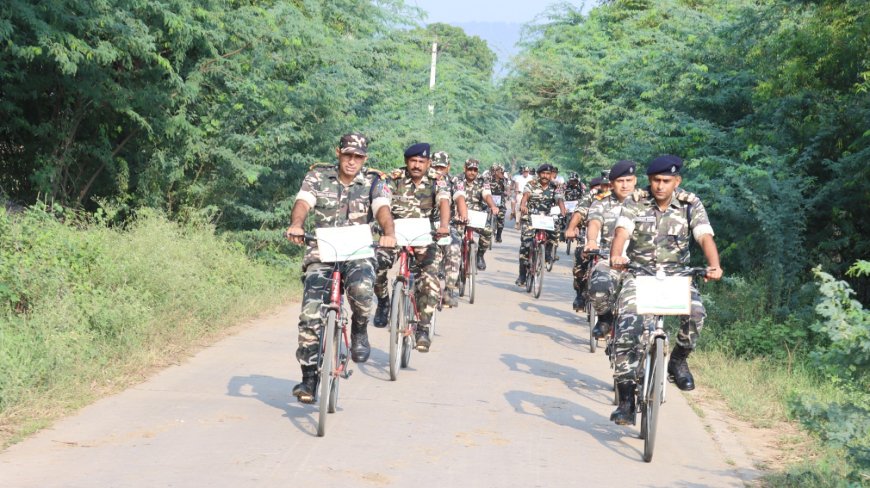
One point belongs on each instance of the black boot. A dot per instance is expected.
(481, 264)
(382, 315)
(521, 281)
(498, 235)
(678, 369)
(579, 301)
(304, 392)
(625, 412)
(359, 343)
(602, 327)
(422, 337)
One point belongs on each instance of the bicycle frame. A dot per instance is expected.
(336, 300)
(406, 276)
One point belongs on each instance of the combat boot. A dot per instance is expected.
(625, 412)
(602, 327)
(304, 391)
(481, 264)
(521, 281)
(452, 299)
(678, 369)
(422, 337)
(498, 235)
(579, 301)
(382, 315)
(359, 342)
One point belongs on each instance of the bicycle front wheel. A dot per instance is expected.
(653, 400)
(568, 247)
(407, 331)
(592, 318)
(396, 315)
(341, 358)
(550, 252)
(462, 267)
(472, 271)
(539, 272)
(326, 366)
(530, 270)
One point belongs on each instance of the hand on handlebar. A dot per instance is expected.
(494, 210)
(387, 242)
(590, 246)
(296, 235)
(618, 262)
(442, 232)
(524, 209)
(572, 233)
(713, 273)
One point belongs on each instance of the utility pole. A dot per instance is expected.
(432, 79)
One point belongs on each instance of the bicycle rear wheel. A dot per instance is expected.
(653, 400)
(592, 319)
(396, 327)
(326, 366)
(539, 272)
(472, 270)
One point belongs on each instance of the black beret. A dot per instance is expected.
(665, 164)
(596, 181)
(419, 149)
(545, 167)
(622, 168)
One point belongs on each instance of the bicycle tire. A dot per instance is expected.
(551, 254)
(653, 401)
(341, 355)
(530, 270)
(539, 274)
(472, 271)
(407, 332)
(592, 319)
(326, 367)
(396, 314)
(568, 247)
(461, 284)
(615, 393)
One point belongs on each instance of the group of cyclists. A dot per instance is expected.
(651, 227)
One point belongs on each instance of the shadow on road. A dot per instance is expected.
(570, 317)
(584, 385)
(276, 392)
(559, 337)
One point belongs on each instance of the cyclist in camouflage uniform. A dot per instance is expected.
(500, 186)
(478, 195)
(657, 225)
(416, 194)
(337, 196)
(597, 186)
(601, 221)
(459, 213)
(539, 196)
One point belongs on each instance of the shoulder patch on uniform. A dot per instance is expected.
(639, 194)
(602, 196)
(397, 173)
(687, 197)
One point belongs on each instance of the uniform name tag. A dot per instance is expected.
(645, 220)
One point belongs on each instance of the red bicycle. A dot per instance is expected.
(537, 258)
(404, 314)
(468, 264)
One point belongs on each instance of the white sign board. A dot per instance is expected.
(668, 295)
(477, 219)
(349, 243)
(570, 205)
(413, 232)
(496, 199)
(544, 222)
(444, 241)
(555, 211)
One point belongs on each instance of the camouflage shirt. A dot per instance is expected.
(585, 203)
(606, 211)
(542, 199)
(661, 238)
(573, 193)
(456, 187)
(416, 201)
(333, 204)
(475, 191)
(499, 188)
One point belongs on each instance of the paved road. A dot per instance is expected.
(509, 396)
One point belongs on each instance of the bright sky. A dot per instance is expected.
(516, 11)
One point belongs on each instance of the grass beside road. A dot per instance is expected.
(87, 310)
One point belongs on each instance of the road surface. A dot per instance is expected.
(509, 396)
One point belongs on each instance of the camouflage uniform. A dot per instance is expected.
(335, 205)
(452, 253)
(604, 280)
(541, 200)
(580, 264)
(475, 191)
(499, 188)
(659, 240)
(415, 201)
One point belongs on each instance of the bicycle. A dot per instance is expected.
(468, 261)
(535, 274)
(591, 313)
(333, 356)
(654, 344)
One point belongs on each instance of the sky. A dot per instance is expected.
(513, 11)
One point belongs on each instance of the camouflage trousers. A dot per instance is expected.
(499, 221)
(358, 277)
(602, 287)
(580, 267)
(449, 255)
(427, 290)
(527, 237)
(629, 329)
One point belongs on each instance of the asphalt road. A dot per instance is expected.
(509, 396)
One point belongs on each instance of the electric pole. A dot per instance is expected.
(432, 79)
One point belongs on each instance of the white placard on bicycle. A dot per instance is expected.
(544, 222)
(668, 295)
(570, 205)
(349, 243)
(496, 199)
(477, 219)
(413, 232)
(555, 211)
(444, 241)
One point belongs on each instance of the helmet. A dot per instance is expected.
(572, 176)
